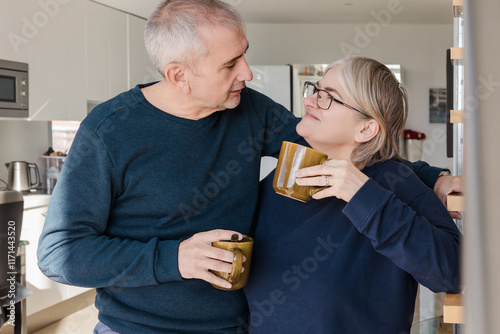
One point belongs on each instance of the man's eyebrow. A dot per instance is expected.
(235, 58)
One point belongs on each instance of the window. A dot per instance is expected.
(63, 133)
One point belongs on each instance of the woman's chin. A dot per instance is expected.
(303, 129)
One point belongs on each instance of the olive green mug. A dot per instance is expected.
(292, 158)
(239, 248)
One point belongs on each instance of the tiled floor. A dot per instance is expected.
(81, 322)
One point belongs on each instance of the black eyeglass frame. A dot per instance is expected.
(317, 90)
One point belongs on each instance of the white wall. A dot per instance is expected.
(420, 49)
(21, 141)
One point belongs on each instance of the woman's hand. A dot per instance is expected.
(340, 177)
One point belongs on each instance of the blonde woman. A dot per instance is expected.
(350, 261)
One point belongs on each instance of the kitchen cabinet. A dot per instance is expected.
(106, 56)
(78, 52)
(45, 292)
(48, 36)
(14, 44)
(141, 68)
(56, 59)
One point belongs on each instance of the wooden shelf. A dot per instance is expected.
(456, 53)
(453, 309)
(455, 202)
(456, 116)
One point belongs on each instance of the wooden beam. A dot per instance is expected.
(455, 202)
(456, 53)
(453, 309)
(456, 116)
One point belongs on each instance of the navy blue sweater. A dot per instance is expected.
(329, 267)
(138, 181)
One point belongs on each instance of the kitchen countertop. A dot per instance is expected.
(34, 200)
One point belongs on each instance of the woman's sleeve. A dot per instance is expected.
(419, 237)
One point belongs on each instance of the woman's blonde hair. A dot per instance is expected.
(380, 96)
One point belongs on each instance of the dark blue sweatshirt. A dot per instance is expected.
(138, 181)
(329, 267)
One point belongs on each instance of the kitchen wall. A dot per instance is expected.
(420, 49)
(21, 141)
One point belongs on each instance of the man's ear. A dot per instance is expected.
(367, 130)
(176, 75)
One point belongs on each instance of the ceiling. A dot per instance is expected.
(321, 11)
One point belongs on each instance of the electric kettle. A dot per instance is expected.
(22, 175)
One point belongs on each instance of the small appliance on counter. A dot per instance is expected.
(22, 175)
(51, 167)
(12, 272)
(14, 92)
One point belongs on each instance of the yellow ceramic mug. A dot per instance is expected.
(239, 248)
(292, 158)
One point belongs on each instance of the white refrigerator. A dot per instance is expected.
(276, 82)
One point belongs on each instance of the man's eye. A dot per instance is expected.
(231, 66)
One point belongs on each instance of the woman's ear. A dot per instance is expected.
(367, 130)
(175, 74)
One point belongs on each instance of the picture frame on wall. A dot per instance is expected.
(437, 105)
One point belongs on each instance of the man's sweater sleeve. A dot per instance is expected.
(428, 174)
(73, 247)
(419, 237)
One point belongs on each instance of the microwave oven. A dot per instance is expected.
(14, 93)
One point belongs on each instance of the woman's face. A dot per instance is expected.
(333, 130)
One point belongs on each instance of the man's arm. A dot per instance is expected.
(428, 174)
(74, 247)
(438, 179)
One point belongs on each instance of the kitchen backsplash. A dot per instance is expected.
(22, 141)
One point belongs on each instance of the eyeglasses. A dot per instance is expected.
(324, 99)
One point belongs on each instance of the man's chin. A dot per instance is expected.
(233, 101)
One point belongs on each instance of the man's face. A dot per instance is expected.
(219, 77)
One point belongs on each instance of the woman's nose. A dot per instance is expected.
(311, 101)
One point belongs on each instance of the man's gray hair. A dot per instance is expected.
(172, 32)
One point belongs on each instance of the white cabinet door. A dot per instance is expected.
(14, 33)
(45, 292)
(56, 59)
(106, 56)
(140, 66)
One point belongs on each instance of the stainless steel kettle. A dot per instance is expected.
(22, 175)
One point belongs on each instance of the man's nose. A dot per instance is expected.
(245, 72)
